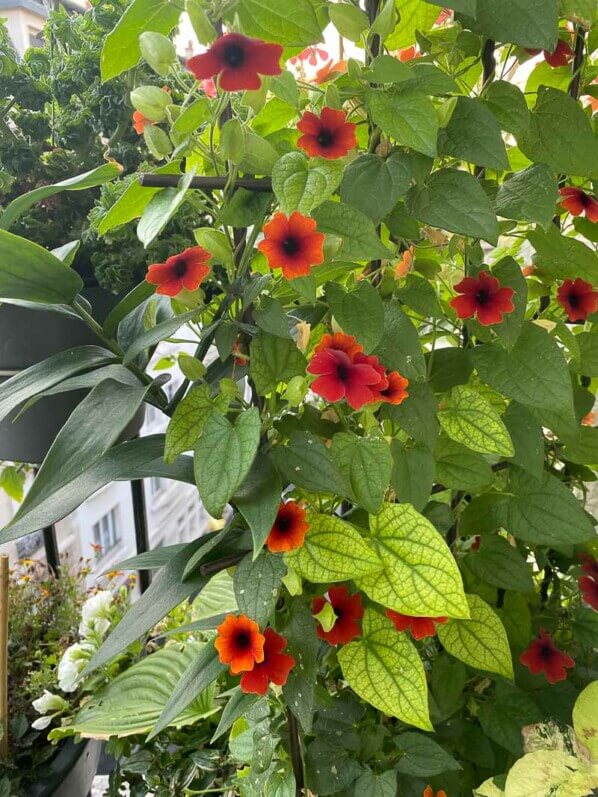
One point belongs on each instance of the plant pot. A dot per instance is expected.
(28, 337)
(71, 771)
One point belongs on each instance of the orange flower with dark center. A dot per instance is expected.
(275, 667)
(577, 202)
(330, 71)
(187, 270)
(239, 643)
(340, 342)
(484, 298)
(348, 610)
(328, 135)
(543, 656)
(409, 53)
(429, 792)
(292, 244)
(140, 121)
(239, 61)
(289, 529)
(419, 627)
(578, 298)
(395, 392)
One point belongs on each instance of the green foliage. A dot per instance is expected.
(455, 492)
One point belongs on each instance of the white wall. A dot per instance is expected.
(23, 26)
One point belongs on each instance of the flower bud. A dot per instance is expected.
(232, 141)
(158, 51)
(151, 102)
(157, 142)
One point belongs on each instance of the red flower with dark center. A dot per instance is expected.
(187, 270)
(396, 391)
(483, 297)
(578, 298)
(328, 135)
(577, 202)
(275, 667)
(140, 121)
(340, 378)
(340, 342)
(589, 565)
(348, 610)
(543, 656)
(420, 627)
(374, 362)
(239, 643)
(238, 60)
(289, 529)
(589, 589)
(293, 244)
(560, 56)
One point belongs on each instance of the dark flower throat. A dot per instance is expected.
(325, 137)
(290, 246)
(234, 56)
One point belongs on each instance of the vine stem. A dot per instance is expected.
(222, 564)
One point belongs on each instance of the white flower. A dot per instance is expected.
(71, 664)
(41, 722)
(95, 614)
(48, 703)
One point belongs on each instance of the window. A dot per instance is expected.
(106, 533)
(29, 544)
(155, 485)
(36, 38)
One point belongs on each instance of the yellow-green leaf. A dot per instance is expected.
(480, 641)
(384, 668)
(333, 551)
(585, 718)
(470, 419)
(420, 575)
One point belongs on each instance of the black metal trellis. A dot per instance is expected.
(141, 533)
